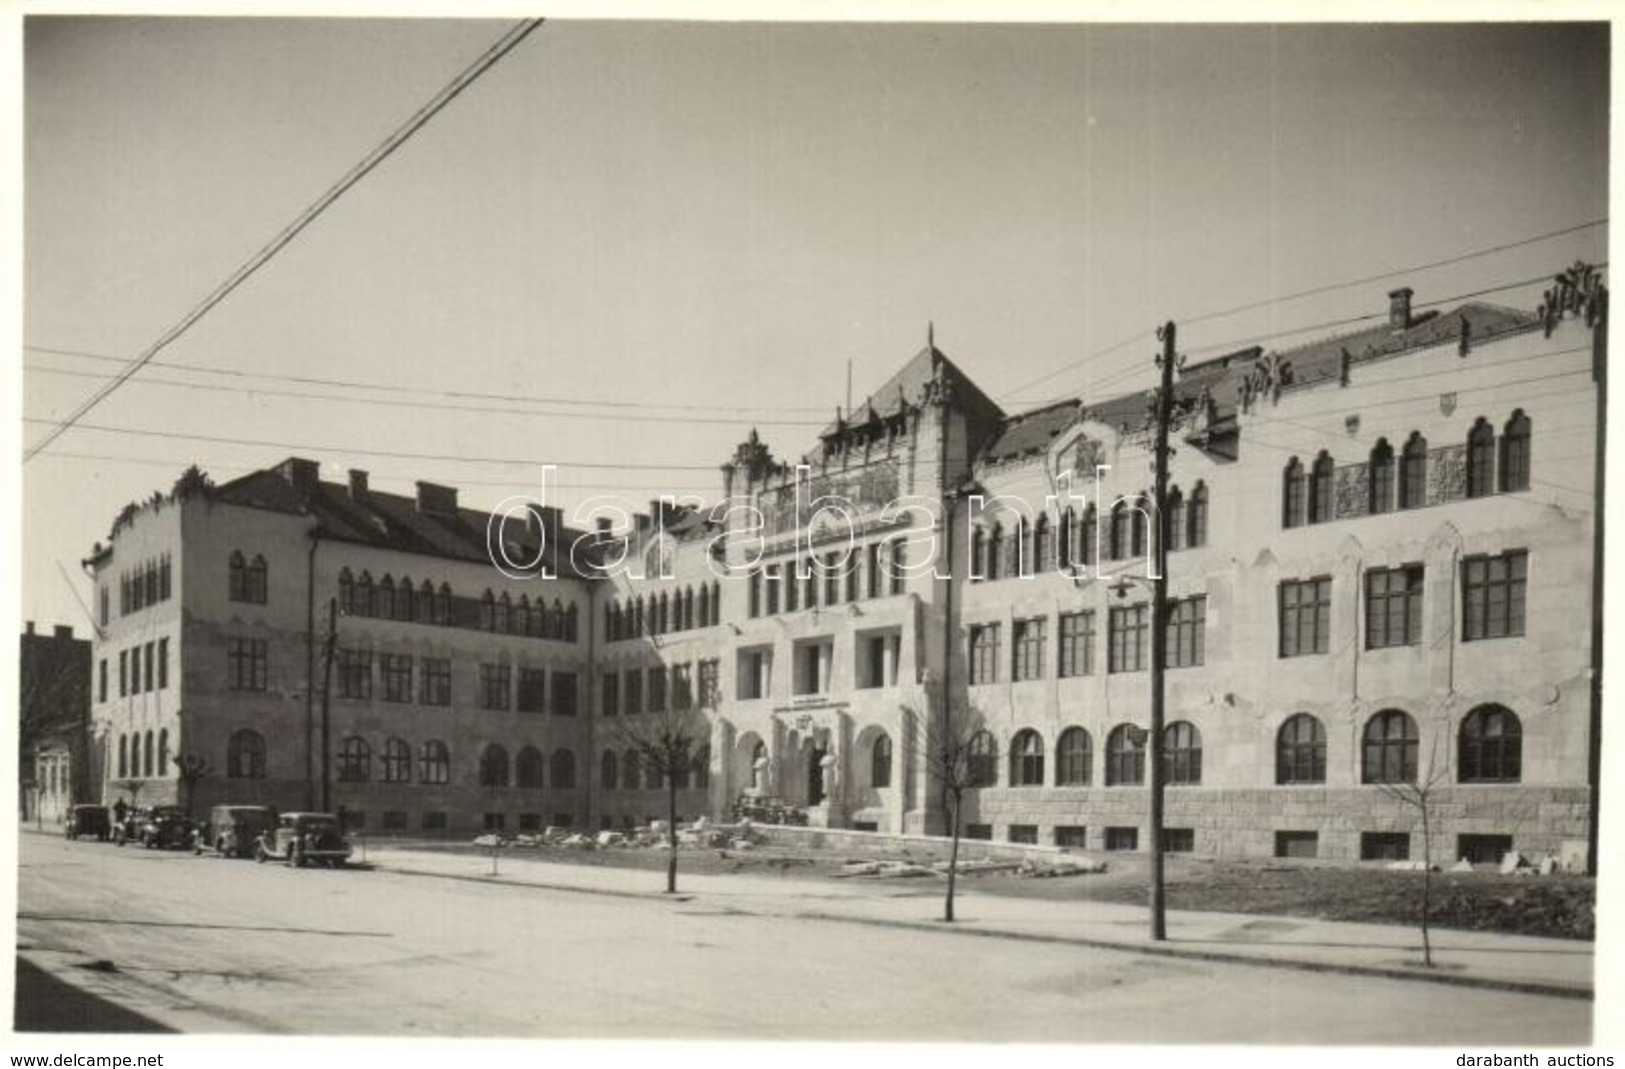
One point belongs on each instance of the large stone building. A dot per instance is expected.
(1380, 550)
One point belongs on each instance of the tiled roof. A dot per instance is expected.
(907, 385)
(1030, 433)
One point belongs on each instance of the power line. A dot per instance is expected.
(483, 409)
(388, 387)
(445, 96)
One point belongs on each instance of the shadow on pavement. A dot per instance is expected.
(46, 1004)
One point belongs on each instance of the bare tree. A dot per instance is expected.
(189, 769)
(1418, 794)
(960, 758)
(669, 744)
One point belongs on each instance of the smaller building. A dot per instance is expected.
(54, 721)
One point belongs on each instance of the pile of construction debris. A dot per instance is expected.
(655, 835)
(1512, 864)
(1030, 867)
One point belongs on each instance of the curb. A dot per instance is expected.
(1522, 987)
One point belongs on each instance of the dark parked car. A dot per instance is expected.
(234, 830)
(300, 838)
(166, 827)
(128, 829)
(89, 820)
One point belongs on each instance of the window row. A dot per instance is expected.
(632, 771)
(145, 584)
(1038, 547)
(1493, 465)
(1074, 757)
(141, 670)
(676, 610)
(872, 570)
(429, 765)
(1128, 630)
(678, 687)
(392, 599)
(137, 758)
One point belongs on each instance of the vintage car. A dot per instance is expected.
(166, 827)
(89, 820)
(233, 830)
(128, 828)
(301, 838)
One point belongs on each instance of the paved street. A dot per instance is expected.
(202, 944)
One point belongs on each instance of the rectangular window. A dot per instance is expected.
(1072, 836)
(773, 580)
(812, 660)
(1306, 616)
(530, 822)
(1297, 844)
(1494, 591)
(1179, 840)
(1187, 633)
(1077, 644)
(1024, 833)
(434, 822)
(877, 659)
(123, 673)
(634, 691)
(1483, 849)
(1027, 649)
(355, 674)
(496, 821)
(564, 694)
(754, 680)
(149, 654)
(163, 664)
(532, 691)
(495, 686)
(1128, 629)
(436, 687)
(101, 680)
(1385, 846)
(710, 683)
(396, 670)
(563, 820)
(135, 670)
(979, 832)
(609, 693)
(394, 820)
(1393, 607)
(657, 690)
(246, 663)
(984, 653)
(682, 687)
(1122, 838)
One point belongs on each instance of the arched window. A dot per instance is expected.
(1088, 536)
(638, 622)
(1320, 489)
(1176, 520)
(488, 610)
(163, 752)
(1292, 498)
(1413, 473)
(1125, 756)
(123, 756)
(758, 766)
(146, 754)
(527, 768)
(522, 622)
(563, 769)
(1140, 517)
(633, 771)
(1021, 550)
(494, 767)
(363, 595)
(705, 606)
(1491, 746)
(236, 578)
(1481, 459)
(258, 580)
(397, 758)
(502, 622)
(880, 762)
(1073, 756)
(442, 605)
(1515, 453)
(978, 554)
(1027, 759)
(386, 597)
(982, 764)
(347, 598)
(1300, 751)
(1066, 537)
(1380, 478)
(245, 755)
(355, 760)
(434, 764)
(1122, 530)
(1196, 518)
(702, 768)
(1390, 748)
(995, 553)
(1043, 546)
(572, 623)
(607, 769)
(425, 606)
(663, 613)
(1181, 754)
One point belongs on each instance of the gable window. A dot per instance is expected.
(1494, 593)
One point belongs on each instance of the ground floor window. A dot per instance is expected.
(395, 820)
(1024, 833)
(495, 821)
(982, 832)
(1483, 849)
(1073, 835)
(563, 820)
(865, 825)
(1122, 838)
(1297, 844)
(530, 822)
(1179, 840)
(1385, 846)
(434, 822)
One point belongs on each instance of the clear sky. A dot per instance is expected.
(720, 217)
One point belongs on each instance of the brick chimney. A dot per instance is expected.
(63, 631)
(299, 473)
(1399, 308)
(358, 484)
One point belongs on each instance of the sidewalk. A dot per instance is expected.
(1527, 964)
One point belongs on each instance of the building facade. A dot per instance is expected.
(54, 707)
(1380, 554)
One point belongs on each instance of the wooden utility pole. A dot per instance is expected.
(329, 648)
(1159, 628)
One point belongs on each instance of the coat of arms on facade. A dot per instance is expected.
(1081, 457)
(1447, 403)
